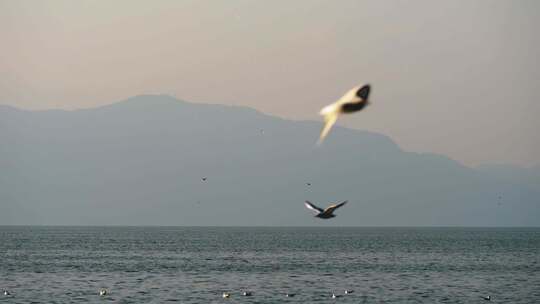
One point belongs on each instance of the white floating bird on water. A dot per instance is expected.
(334, 296)
(487, 298)
(348, 291)
(324, 213)
(289, 295)
(6, 293)
(247, 294)
(226, 295)
(103, 292)
(353, 101)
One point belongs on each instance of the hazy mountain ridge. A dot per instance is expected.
(524, 175)
(140, 161)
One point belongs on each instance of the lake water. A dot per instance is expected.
(196, 265)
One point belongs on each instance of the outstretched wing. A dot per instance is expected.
(330, 119)
(313, 207)
(332, 208)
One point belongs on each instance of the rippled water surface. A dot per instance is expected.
(196, 265)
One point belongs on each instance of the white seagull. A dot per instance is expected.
(355, 100)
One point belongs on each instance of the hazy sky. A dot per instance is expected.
(460, 78)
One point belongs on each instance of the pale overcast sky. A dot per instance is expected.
(460, 78)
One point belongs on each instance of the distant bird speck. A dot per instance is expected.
(309, 184)
(353, 101)
(203, 179)
(289, 295)
(324, 213)
(103, 292)
(6, 293)
(247, 294)
(334, 296)
(487, 298)
(226, 295)
(348, 291)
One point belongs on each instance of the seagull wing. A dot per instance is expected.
(313, 207)
(332, 208)
(329, 120)
(354, 106)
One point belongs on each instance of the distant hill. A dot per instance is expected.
(140, 162)
(510, 173)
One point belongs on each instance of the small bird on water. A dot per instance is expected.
(226, 295)
(324, 213)
(353, 101)
(487, 298)
(348, 291)
(6, 293)
(103, 292)
(247, 294)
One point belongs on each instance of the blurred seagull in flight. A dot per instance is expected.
(324, 213)
(355, 100)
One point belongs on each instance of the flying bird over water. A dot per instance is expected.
(324, 213)
(355, 100)
(203, 179)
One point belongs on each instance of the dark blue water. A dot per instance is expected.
(196, 265)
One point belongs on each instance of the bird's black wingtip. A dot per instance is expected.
(363, 92)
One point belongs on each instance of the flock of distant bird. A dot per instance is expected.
(104, 292)
(227, 295)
